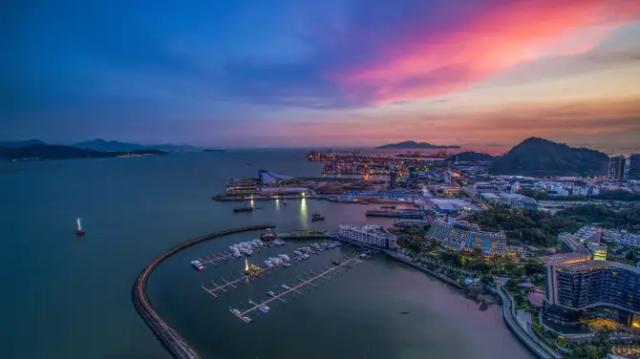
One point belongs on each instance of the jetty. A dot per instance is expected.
(168, 336)
(302, 282)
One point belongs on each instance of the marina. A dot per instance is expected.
(312, 277)
(237, 250)
(252, 271)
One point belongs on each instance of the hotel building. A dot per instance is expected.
(376, 236)
(459, 238)
(575, 284)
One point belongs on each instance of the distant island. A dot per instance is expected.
(539, 157)
(102, 145)
(38, 150)
(415, 145)
(213, 150)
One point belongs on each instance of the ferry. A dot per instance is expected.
(197, 265)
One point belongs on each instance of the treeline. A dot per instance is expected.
(627, 218)
(541, 228)
(612, 195)
(526, 226)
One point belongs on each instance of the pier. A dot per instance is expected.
(169, 337)
(215, 258)
(304, 234)
(215, 289)
(296, 288)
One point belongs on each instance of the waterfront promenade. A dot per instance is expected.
(538, 347)
(169, 337)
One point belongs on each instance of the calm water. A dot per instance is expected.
(66, 297)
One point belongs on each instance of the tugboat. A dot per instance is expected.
(242, 209)
(79, 230)
(317, 217)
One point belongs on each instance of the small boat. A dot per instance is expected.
(317, 217)
(268, 235)
(388, 207)
(197, 265)
(79, 230)
(242, 209)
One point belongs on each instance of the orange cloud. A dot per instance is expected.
(432, 64)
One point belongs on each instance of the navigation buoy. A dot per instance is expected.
(79, 230)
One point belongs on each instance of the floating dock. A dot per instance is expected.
(345, 264)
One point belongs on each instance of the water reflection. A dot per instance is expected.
(303, 212)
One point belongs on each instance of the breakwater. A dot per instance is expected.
(169, 337)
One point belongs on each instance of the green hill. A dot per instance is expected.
(539, 157)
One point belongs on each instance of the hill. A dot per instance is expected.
(102, 145)
(16, 144)
(59, 152)
(414, 145)
(539, 157)
(470, 156)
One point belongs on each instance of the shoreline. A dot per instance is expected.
(530, 343)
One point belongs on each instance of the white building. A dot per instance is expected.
(376, 236)
(623, 238)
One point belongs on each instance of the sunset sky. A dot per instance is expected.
(309, 73)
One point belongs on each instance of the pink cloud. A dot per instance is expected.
(428, 64)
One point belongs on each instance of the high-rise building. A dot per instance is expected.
(412, 181)
(575, 285)
(393, 174)
(616, 168)
(634, 166)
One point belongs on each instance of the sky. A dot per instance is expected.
(295, 73)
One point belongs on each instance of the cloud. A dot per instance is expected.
(432, 62)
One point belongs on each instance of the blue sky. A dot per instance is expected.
(280, 73)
